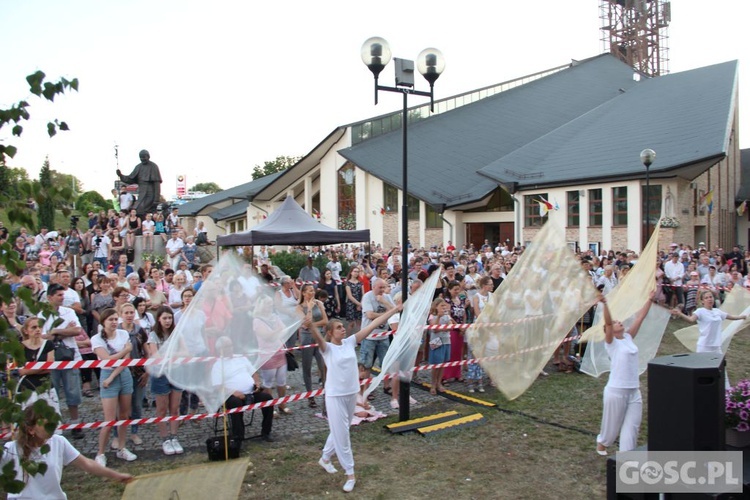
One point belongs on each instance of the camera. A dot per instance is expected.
(74, 221)
(98, 241)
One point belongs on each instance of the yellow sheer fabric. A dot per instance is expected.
(197, 482)
(531, 312)
(627, 298)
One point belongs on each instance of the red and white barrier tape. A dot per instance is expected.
(288, 399)
(70, 365)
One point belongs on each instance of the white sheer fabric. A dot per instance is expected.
(402, 353)
(218, 323)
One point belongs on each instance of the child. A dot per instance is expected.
(474, 375)
(147, 229)
(159, 227)
(439, 341)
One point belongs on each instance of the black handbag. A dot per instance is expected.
(215, 445)
(62, 351)
(291, 362)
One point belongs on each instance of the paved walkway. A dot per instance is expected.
(302, 423)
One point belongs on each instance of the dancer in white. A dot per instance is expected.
(342, 386)
(709, 322)
(623, 405)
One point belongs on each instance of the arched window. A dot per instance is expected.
(347, 197)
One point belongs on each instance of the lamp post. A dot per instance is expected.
(376, 54)
(647, 158)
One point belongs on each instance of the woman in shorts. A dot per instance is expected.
(116, 383)
(167, 395)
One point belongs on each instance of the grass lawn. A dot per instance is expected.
(539, 446)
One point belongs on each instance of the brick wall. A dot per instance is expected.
(390, 230)
(619, 238)
(432, 237)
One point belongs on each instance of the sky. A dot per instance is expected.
(213, 89)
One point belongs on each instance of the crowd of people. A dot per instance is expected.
(112, 310)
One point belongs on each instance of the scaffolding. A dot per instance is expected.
(636, 31)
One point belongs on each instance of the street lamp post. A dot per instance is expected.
(376, 54)
(647, 158)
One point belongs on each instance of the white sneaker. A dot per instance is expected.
(412, 401)
(167, 447)
(349, 485)
(101, 460)
(126, 454)
(177, 447)
(481, 389)
(136, 439)
(328, 466)
(394, 405)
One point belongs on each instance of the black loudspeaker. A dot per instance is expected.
(612, 484)
(686, 402)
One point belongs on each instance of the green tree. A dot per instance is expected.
(277, 165)
(19, 212)
(11, 179)
(206, 187)
(91, 201)
(46, 204)
(61, 180)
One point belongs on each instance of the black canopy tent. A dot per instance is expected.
(291, 225)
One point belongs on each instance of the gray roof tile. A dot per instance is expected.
(684, 117)
(447, 150)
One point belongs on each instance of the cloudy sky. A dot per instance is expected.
(212, 89)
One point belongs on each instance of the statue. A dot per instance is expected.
(146, 174)
(668, 207)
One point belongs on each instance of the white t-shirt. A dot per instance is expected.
(103, 248)
(624, 356)
(174, 244)
(47, 486)
(370, 304)
(709, 326)
(126, 201)
(147, 226)
(335, 268)
(342, 378)
(71, 297)
(175, 296)
(116, 344)
(237, 376)
(67, 315)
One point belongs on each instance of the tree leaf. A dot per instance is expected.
(51, 129)
(35, 82)
(17, 130)
(8, 150)
(49, 91)
(64, 126)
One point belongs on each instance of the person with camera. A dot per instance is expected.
(101, 246)
(63, 324)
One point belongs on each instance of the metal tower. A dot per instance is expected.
(636, 32)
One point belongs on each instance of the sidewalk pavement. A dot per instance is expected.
(302, 423)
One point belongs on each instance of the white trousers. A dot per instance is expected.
(622, 414)
(340, 411)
